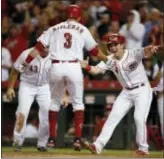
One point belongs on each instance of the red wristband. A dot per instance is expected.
(88, 68)
(29, 59)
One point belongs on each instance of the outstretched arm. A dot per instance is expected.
(151, 50)
(94, 70)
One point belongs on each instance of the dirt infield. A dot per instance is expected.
(8, 153)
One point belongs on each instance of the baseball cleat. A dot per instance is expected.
(17, 147)
(141, 153)
(77, 144)
(91, 147)
(41, 148)
(51, 143)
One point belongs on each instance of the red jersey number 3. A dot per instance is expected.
(68, 38)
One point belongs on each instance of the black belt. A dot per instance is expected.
(141, 85)
(64, 61)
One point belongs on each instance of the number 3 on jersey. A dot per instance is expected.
(68, 38)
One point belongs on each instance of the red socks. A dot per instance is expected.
(53, 119)
(78, 120)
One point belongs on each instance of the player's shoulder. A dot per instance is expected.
(81, 26)
(135, 50)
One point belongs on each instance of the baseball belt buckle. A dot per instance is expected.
(65, 61)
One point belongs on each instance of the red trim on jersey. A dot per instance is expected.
(94, 51)
(40, 48)
(29, 59)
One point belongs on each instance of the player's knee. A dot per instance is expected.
(19, 122)
(139, 120)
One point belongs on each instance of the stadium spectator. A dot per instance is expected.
(114, 27)
(17, 41)
(116, 8)
(157, 31)
(5, 27)
(133, 30)
(105, 18)
(6, 63)
(95, 9)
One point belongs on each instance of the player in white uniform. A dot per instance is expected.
(34, 85)
(129, 70)
(66, 41)
(160, 93)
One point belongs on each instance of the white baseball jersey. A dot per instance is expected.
(67, 40)
(37, 72)
(129, 70)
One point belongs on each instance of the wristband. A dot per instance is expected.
(88, 68)
(29, 59)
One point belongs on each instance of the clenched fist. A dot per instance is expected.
(10, 94)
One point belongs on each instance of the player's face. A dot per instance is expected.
(113, 47)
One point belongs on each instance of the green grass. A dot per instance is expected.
(31, 151)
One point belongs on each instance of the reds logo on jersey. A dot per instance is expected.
(131, 66)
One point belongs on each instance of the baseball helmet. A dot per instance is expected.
(74, 11)
(113, 38)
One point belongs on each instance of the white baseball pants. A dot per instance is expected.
(141, 98)
(160, 111)
(67, 75)
(26, 95)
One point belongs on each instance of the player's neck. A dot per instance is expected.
(74, 20)
(119, 55)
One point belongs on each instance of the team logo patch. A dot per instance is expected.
(131, 66)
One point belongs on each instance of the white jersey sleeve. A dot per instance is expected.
(102, 66)
(89, 42)
(105, 66)
(138, 53)
(45, 37)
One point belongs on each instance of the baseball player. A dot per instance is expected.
(66, 41)
(129, 70)
(34, 85)
(160, 93)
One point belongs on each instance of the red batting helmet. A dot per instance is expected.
(113, 38)
(74, 11)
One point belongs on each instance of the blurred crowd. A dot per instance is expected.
(24, 21)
